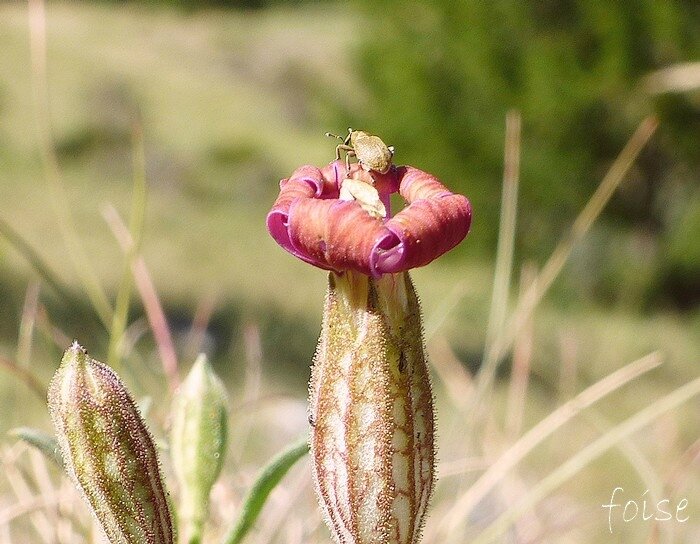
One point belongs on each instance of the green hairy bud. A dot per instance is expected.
(198, 443)
(372, 412)
(108, 451)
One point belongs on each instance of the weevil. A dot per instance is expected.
(371, 152)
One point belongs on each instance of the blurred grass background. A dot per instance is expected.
(232, 96)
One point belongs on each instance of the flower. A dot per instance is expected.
(312, 221)
(371, 405)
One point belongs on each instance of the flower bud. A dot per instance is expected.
(108, 451)
(372, 411)
(198, 443)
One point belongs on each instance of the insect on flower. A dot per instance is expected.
(371, 152)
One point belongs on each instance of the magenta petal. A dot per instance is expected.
(278, 217)
(306, 182)
(311, 223)
(414, 184)
(277, 225)
(434, 222)
(427, 229)
(387, 254)
(332, 174)
(307, 174)
(333, 234)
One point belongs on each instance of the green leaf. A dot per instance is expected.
(42, 441)
(267, 480)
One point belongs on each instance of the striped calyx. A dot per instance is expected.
(108, 451)
(372, 411)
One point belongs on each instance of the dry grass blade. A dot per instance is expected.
(138, 211)
(21, 508)
(545, 428)
(568, 368)
(520, 373)
(50, 331)
(5, 535)
(460, 467)
(452, 373)
(506, 241)
(591, 452)
(644, 469)
(504, 253)
(252, 384)
(31, 381)
(27, 324)
(444, 309)
(81, 264)
(34, 259)
(43, 482)
(34, 504)
(149, 296)
(75, 516)
(551, 269)
(682, 77)
(677, 479)
(196, 336)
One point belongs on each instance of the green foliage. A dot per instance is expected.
(442, 75)
(42, 441)
(266, 481)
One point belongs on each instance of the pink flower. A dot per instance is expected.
(312, 222)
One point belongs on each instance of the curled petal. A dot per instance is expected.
(306, 182)
(333, 234)
(414, 184)
(310, 222)
(434, 222)
(422, 231)
(332, 174)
